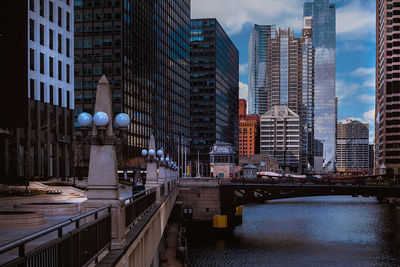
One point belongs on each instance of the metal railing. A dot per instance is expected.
(136, 206)
(77, 247)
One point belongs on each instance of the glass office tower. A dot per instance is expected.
(324, 42)
(214, 98)
(143, 47)
(258, 56)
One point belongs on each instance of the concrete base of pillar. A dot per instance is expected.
(117, 219)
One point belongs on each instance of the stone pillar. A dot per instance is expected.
(162, 172)
(151, 175)
(103, 178)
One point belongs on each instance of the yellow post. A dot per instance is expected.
(239, 210)
(220, 221)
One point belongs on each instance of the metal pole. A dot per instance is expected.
(185, 161)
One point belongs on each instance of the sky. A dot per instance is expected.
(355, 43)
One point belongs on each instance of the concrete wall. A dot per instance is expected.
(144, 249)
(202, 196)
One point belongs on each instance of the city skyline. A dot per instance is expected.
(355, 56)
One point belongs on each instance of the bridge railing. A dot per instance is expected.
(137, 206)
(79, 246)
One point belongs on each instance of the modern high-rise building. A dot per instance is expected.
(214, 98)
(280, 137)
(143, 48)
(352, 147)
(387, 96)
(288, 75)
(36, 100)
(323, 17)
(258, 57)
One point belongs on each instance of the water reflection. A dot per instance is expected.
(312, 231)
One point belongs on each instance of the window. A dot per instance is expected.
(68, 99)
(42, 91)
(51, 38)
(32, 5)
(42, 8)
(31, 30)
(41, 34)
(67, 2)
(68, 70)
(67, 47)
(59, 70)
(51, 67)
(41, 63)
(67, 18)
(51, 11)
(32, 89)
(59, 43)
(51, 94)
(59, 16)
(60, 97)
(32, 59)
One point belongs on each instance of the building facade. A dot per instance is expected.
(323, 17)
(353, 150)
(214, 97)
(143, 48)
(249, 131)
(280, 137)
(258, 58)
(387, 95)
(39, 141)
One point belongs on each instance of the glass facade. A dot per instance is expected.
(324, 42)
(143, 47)
(214, 88)
(258, 54)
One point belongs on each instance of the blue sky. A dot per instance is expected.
(355, 43)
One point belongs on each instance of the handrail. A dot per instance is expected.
(40, 233)
(148, 191)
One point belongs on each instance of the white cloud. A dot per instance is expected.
(233, 14)
(369, 116)
(366, 98)
(350, 46)
(243, 68)
(346, 91)
(362, 72)
(243, 90)
(356, 20)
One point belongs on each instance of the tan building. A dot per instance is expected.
(352, 147)
(387, 103)
(222, 160)
(280, 137)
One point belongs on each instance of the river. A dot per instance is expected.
(308, 231)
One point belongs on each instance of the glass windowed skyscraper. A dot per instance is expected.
(258, 56)
(323, 18)
(143, 47)
(214, 97)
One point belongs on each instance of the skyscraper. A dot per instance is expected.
(143, 47)
(37, 98)
(387, 99)
(258, 56)
(323, 18)
(214, 98)
(352, 147)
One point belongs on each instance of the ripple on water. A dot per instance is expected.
(311, 231)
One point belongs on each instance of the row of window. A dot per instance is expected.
(51, 66)
(51, 12)
(51, 93)
(50, 39)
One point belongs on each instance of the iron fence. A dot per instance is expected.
(136, 207)
(77, 247)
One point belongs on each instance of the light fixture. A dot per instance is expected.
(160, 153)
(84, 119)
(144, 152)
(100, 119)
(122, 120)
(152, 152)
